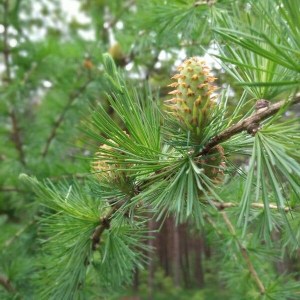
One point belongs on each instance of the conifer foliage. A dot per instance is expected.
(157, 137)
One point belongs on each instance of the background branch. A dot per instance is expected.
(245, 255)
(11, 189)
(224, 205)
(4, 281)
(18, 233)
(16, 137)
(72, 97)
(6, 50)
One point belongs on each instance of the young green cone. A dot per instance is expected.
(193, 99)
(192, 105)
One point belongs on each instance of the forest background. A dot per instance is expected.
(52, 76)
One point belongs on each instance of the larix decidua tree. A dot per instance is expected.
(182, 158)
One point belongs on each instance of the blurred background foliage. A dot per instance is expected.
(51, 75)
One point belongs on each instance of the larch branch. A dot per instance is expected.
(243, 125)
(104, 224)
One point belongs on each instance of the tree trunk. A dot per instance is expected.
(176, 255)
(151, 226)
(199, 275)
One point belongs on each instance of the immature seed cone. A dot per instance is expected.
(108, 171)
(213, 164)
(104, 171)
(193, 98)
